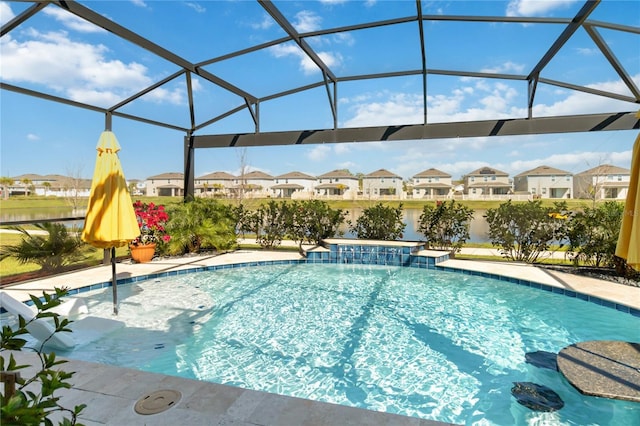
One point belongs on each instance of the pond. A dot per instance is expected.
(478, 230)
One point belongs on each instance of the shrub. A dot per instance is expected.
(33, 406)
(200, 223)
(312, 221)
(445, 225)
(53, 250)
(270, 222)
(593, 234)
(523, 231)
(379, 222)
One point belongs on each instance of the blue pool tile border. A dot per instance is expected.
(363, 255)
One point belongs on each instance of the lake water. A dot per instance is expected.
(478, 231)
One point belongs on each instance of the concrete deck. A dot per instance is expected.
(112, 392)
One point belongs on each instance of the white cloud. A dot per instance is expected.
(318, 152)
(33, 137)
(506, 67)
(306, 64)
(306, 21)
(574, 162)
(139, 3)
(81, 71)
(195, 6)
(6, 14)
(536, 7)
(71, 21)
(264, 24)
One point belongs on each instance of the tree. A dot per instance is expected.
(445, 225)
(242, 158)
(523, 231)
(200, 223)
(35, 400)
(47, 187)
(28, 183)
(52, 250)
(6, 183)
(379, 223)
(73, 186)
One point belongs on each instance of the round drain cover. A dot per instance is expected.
(158, 401)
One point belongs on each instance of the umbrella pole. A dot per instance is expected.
(114, 283)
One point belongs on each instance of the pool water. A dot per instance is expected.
(429, 344)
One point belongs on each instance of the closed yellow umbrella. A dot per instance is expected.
(110, 221)
(628, 246)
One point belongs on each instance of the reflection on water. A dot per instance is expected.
(477, 232)
(47, 213)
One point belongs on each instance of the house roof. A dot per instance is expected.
(295, 175)
(432, 173)
(287, 186)
(489, 184)
(336, 185)
(606, 169)
(217, 176)
(169, 175)
(381, 173)
(487, 171)
(543, 171)
(431, 185)
(340, 173)
(256, 174)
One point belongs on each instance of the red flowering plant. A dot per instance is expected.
(152, 219)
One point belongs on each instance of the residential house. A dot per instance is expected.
(254, 184)
(50, 185)
(431, 184)
(337, 183)
(382, 183)
(604, 182)
(487, 182)
(544, 182)
(297, 183)
(216, 184)
(165, 185)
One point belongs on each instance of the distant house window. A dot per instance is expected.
(381, 180)
(429, 180)
(277, 181)
(473, 191)
(553, 178)
(437, 179)
(568, 178)
(473, 179)
(286, 181)
(485, 179)
(619, 178)
(168, 180)
(544, 190)
(151, 181)
(493, 178)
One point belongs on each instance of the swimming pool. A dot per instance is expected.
(430, 344)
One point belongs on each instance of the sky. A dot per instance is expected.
(63, 56)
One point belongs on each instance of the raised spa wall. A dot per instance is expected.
(371, 252)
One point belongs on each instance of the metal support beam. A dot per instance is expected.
(507, 127)
(189, 179)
